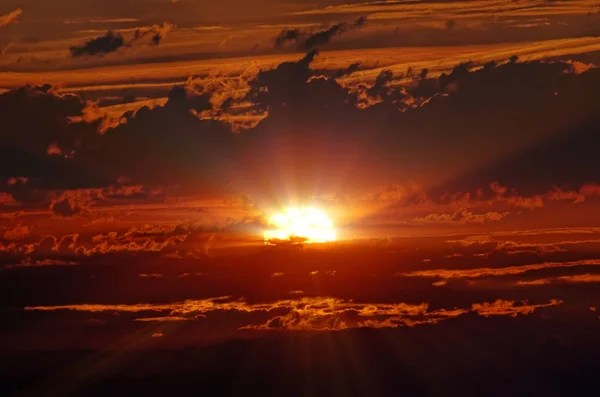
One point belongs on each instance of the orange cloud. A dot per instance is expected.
(578, 278)
(514, 247)
(10, 17)
(462, 216)
(496, 272)
(509, 308)
(310, 314)
(16, 233)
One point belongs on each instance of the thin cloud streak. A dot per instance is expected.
(310, 314)
(496, 272)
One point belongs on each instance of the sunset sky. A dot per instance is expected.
(144, 146)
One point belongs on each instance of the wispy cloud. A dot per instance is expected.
(10, 17)
(496, 272)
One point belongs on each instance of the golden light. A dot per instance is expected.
(308, 223)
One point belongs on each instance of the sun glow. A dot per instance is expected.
(305, 223)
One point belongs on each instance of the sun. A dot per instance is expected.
(309, 224)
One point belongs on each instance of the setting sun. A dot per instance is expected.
(309, 223)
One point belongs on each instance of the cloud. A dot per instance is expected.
(113, 41)
(108, 43)
(73, 202)
(306, 123)
(323, 37)
(41, 263)
(462, 216)
(510, 308)
(150, 275)
(287, 35)
(160, 320)
(333, 116)
(156, 33)
(7, 19)
(308, 39)
(496, 272)
(307, 314)
(319, 313)
(515, 247)
(16, 233)
(130, 242)
(138, 239)
(577, 278)
(23, 155)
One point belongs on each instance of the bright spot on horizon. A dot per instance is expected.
(309, 223)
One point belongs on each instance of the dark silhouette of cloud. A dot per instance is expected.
(287, 35)
(108, 43)
(113, 41)
(307, 39)
(156, 33)
(363, 134)
(323, 37)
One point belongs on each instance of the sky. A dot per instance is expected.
(145, 145)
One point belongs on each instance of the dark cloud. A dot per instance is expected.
(191, 150)
(308, 39)
(156, 33)
(156, 38)
(113, 41)
(396, 129)
(349, 70)
(287, 35)
(108, 43)
(323, 37)
(34, 119)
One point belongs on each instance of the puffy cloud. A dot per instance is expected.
(152, 239)
(16, 233)
(590, 189)
(309, 124)
(129, 243)
(24, 160)
(73, 202)
(190, 150)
